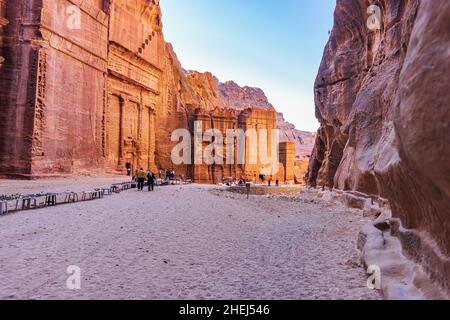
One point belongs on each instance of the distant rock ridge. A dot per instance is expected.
(226, 94)
(243, 97)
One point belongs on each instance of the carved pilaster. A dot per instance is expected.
(152, 140)
(121, 163)
(140, 133)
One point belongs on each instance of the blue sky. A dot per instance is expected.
(276, 45)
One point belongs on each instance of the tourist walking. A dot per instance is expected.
(141, 179)
(166, 173)
(151, 181)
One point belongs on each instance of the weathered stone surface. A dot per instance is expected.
(382, 101)
(134, 76)
(242, 98)
(3, 23)
(18, 86)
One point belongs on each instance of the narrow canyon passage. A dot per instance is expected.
(191, 242)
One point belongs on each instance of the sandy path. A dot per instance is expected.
(183, 243)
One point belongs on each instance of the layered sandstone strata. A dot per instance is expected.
(382, 100)
(3, 23)
(243, 97)
(81, 86)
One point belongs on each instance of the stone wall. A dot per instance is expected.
(18, 85)
(3, 23)
(69, 107)
(221, 120)
(382, 101)
(263, 123)
(80, 95)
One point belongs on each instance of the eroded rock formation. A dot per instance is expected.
(243, 97)
(91, 86)
(383, 103)
(3, 23)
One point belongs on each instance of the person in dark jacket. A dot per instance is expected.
(141, 179)
(167, 174)
(151, 181)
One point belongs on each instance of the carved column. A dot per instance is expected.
(121, 133)
(139, 144)
(3, 23)
(152, 141)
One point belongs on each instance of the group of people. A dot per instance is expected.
(143, 176)
(242, 181)
(169, 175)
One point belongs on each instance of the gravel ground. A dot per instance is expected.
(190, 242)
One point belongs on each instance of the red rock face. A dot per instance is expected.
(242, 98)
(382, 102)
(70, 79)
(17, 93)
(3, 23)
(134, 86)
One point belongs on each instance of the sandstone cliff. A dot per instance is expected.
(243, 97)
(3, 22)
(383, 103)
